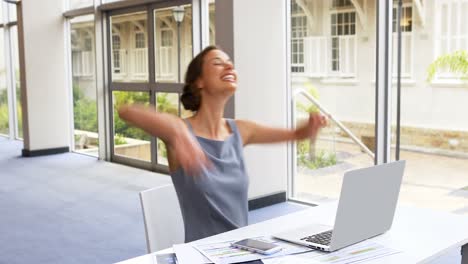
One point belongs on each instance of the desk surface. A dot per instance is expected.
(420, 234)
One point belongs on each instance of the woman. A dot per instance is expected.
(205, 151)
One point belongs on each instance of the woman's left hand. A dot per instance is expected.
(311, 129)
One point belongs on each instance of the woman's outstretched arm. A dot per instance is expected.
(253, 133)
(172, 131)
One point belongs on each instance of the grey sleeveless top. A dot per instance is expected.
(216, 200)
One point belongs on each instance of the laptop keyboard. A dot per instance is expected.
(320, 238)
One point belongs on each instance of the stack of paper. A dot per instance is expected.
(224, 253)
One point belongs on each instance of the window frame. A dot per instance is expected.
(439, 38)
(152, 86)
(339, 73)
(298, 41)
(7, 23)
(405, 74)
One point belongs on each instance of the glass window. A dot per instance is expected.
(173, 43)
(130, 141)
(129, 48)
(116, 54)
(433, 124)
(84, 85)
(17, 82)
(212, 28)
(298, 33)
(343, 37)
(140, 42)
(4, 110)
(451, 35)
(406, 42)
(12, 12)
(330, 43)
(167, 38)
(166, 103)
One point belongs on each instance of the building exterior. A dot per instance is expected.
(333, 48)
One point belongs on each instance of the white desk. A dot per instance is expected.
(420, 234)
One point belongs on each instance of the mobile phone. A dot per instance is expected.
(258, 246)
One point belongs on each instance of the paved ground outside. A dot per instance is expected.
(430, 181)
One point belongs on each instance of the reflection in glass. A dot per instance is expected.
(129, 44)
(84, 85)
(4, 113)
(324, 59)
(166, 103)
(12, 12)
(433, 124)
(173, 32)
(17, 84)
(212, 28)
(130, 141)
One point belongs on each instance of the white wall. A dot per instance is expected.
(425, 105)
(45, 64)
(260, 58)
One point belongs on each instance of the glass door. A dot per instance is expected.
(149, 50)
(430, 128)
(333, 72)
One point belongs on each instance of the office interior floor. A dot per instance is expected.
(72, 208)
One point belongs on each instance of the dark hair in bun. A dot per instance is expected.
(191, 97)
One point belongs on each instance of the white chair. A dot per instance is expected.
(164, 225)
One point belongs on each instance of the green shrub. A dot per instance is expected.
(310, 107)
(162, 151)
(4, 119)
(456, 62)
(322, 158)
(85, 115)
(119, 140)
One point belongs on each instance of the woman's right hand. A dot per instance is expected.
(188, 152)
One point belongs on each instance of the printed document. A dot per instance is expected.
(358, 253)
(224, 253)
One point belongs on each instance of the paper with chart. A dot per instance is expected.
(358, 253)
(223, 252)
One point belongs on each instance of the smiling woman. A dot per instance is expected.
(205, 151)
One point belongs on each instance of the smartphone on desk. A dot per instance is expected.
(258, 246)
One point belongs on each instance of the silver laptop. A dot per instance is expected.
(366, 208)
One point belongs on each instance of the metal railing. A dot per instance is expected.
(330, 116)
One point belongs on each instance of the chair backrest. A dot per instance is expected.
(163, 219)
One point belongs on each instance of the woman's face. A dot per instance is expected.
(218, 73)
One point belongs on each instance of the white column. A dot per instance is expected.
(260, 53)
(101, 83)
(45, 94)
(383, 80)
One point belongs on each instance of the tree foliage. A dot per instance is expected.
(3, 112)
(122, 128)
(310, 107)
(85, 112)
